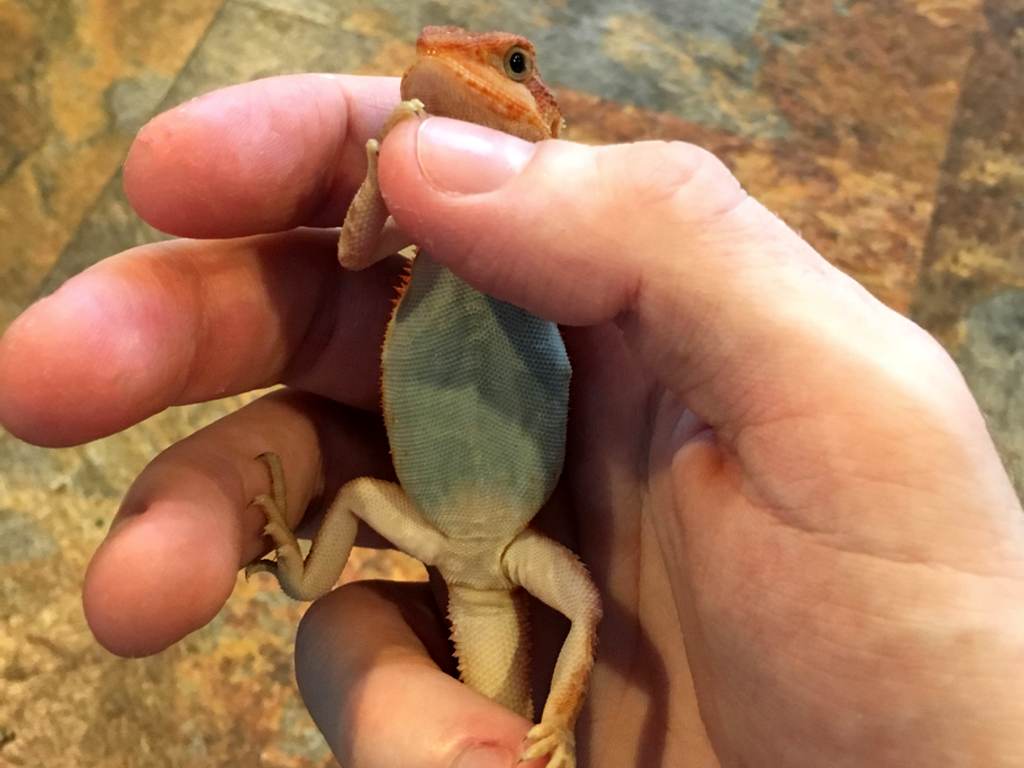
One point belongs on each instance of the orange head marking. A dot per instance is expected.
(489, 78)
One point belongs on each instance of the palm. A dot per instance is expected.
(747, 601)
(613, 488)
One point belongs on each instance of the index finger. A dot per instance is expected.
(264, 156)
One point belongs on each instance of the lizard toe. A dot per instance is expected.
(554, 740)
(260, 566)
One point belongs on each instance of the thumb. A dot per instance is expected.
(728, 306)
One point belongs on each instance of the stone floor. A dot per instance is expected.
(891, 135)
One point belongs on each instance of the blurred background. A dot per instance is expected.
(890, 134)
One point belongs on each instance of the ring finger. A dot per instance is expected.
(185, 526)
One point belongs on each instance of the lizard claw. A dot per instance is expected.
(404, 110)
(289, 556)
(556, 740)
(260, 566)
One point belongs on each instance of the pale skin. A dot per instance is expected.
(831, 573)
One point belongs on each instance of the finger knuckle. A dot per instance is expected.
(674, 172)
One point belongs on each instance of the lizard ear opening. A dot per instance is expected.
(518, 63)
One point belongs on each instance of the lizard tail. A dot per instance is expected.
(491, 632)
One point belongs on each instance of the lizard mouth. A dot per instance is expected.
(479, 95)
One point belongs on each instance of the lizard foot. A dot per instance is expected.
(369, 233)
(288, 566)
(404, 110)
(554, 739)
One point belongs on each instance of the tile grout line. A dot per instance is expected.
(42, 290)
(948, 162)
(262, 6)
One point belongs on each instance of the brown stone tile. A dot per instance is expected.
(971, 293)
(87, 75)
(869, 90)
(863, 97)
(976, 246)
(991, 356)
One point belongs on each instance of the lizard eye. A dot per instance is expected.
(518, 64)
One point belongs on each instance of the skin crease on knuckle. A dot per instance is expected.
(657, 173)
(670, 183)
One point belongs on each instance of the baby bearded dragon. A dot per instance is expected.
(475, 394)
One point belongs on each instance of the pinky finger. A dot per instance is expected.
(367, 665)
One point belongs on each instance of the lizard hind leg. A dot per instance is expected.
(551, 573)
(309, 578)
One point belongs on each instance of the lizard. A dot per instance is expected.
(475, 396)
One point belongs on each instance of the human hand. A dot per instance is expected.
(832, 536)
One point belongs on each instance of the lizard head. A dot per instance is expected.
(489, 78)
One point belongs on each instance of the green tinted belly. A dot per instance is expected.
(475, 398)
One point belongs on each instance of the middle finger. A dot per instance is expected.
(186, 321)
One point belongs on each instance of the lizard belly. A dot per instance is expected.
(475, 395)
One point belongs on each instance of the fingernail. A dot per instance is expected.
(485, 757)
(468, 159)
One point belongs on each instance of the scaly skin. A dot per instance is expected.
(475, 395)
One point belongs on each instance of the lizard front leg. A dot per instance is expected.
(369, 234)
(554, 575)
(382, 505)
